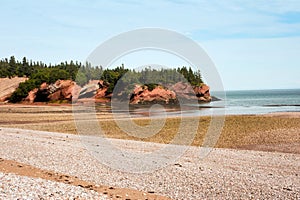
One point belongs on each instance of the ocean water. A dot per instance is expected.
(231, 103)
(259, 101)
(238, 103)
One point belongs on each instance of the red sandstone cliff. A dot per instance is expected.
(8, 86)
(67, 90)
(142, 95)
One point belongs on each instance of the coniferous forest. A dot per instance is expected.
(38, 72)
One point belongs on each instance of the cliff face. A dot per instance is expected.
(95, 90)
(185, 91)
(8, 86)
(142, 95)
(67, 90)
(171, 94)
(61, 90)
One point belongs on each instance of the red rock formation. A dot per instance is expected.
(101, 95)
(101, 91)
(96, 91)
(31, 96)
(8, 86)
(202, 92)
(61, 90)
(44, 86)
(141, 95)
(184, 91)
(188, 92)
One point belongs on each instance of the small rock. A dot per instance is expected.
(288, 189)
(177, 164)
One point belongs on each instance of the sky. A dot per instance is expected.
(254, 44)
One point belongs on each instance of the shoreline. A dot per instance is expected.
(268, 132)
(168, 108)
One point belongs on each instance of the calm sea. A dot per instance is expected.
(260, 101)
(233, 103)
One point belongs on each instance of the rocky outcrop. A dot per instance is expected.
(202, 93)
(101, 93)
(89, 90)
(58, 91)
(68, 90)
(31, 95)
(142, 95)
(186, 92)
(61, 90)
(8, 86)
(95, 90)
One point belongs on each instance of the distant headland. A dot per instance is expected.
(29, 81)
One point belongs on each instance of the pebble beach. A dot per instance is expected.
(223, 173)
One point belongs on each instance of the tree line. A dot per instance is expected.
(39, 72)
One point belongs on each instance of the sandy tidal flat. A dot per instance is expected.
(271, 132)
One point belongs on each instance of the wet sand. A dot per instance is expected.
(269, 132)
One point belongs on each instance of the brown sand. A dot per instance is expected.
(10, 166)
(279, 132)
(271, 132)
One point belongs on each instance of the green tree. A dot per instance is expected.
(22, 91)
(12, 67)
(81, 78)
(56, 74)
